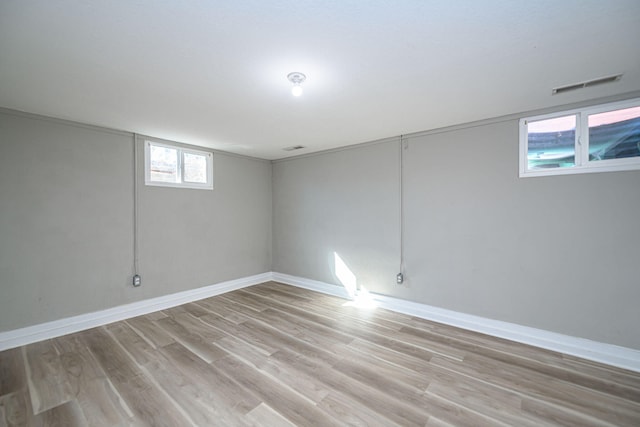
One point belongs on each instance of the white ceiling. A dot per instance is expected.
(213, 73)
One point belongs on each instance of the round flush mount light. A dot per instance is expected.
(297, 79)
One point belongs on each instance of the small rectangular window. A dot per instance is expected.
(163, 164)
(195, 167)
(174, 166)
(551, 143)
(595, 139)
(614, 134)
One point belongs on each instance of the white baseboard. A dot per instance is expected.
(313, 285)
(610, 354)
(592, 350)
(56, 328)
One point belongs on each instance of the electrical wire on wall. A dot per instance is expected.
(402, 147)
(137, 281)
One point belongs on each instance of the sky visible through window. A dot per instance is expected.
(611, 135)
(195, 168)
(164, 164)
(568, 122)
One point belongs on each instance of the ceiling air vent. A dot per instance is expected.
(293, 148)
(588, 83)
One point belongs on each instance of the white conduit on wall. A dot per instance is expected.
(136, 277)
(402, 147)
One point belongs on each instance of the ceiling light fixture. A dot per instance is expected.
(297, 79)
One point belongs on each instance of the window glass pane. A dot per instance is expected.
(195, 168)
(614, 134)
(551, 143)
(163, 164)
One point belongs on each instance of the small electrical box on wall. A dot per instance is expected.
(399, 278)
(137, 280)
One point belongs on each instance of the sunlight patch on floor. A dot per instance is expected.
(362, 299)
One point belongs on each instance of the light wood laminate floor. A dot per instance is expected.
(274, 355)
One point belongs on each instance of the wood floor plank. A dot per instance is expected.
(283, 340)
(230, 401)
(245, 304)
(18, 410)
(242, 350)
(191, 397)
(15, 411)
(12, 372)
(326, 318)
(393, 387)
(219, 309)
(592, 374)
(191, 340)
(351, 412)
(47, 379)
(554, 371)
(100, 402)
(136, 346)
(293, 299)
(184, 394)
(497, 404)
(195, 310)
(435, 422)
(302, 329)
(263, 415)
(418, 381)
(157, 315)
(478, 396)
(141, 395)
(145, 327)
(68, 414)
(618, 375)
(546, 389)
(275, 355)
(311, 295)
(340, 312)
(594, 398)
(195, 326)
(289, 404)
(240, 331)
(363, 333)
(412, 362)
(304, 385)
(565, 416)
(364, 394)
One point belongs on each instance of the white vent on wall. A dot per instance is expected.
(588, 83)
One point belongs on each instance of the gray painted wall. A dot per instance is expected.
(344, 203)
(557, 253)
(66, 223)
(201, 237)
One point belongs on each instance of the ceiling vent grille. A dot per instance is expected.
(588, 83)
(294, 147)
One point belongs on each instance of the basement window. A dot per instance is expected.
(601, 138)
(169, 165)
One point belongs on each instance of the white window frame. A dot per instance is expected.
(582, 162)
(182, 184)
